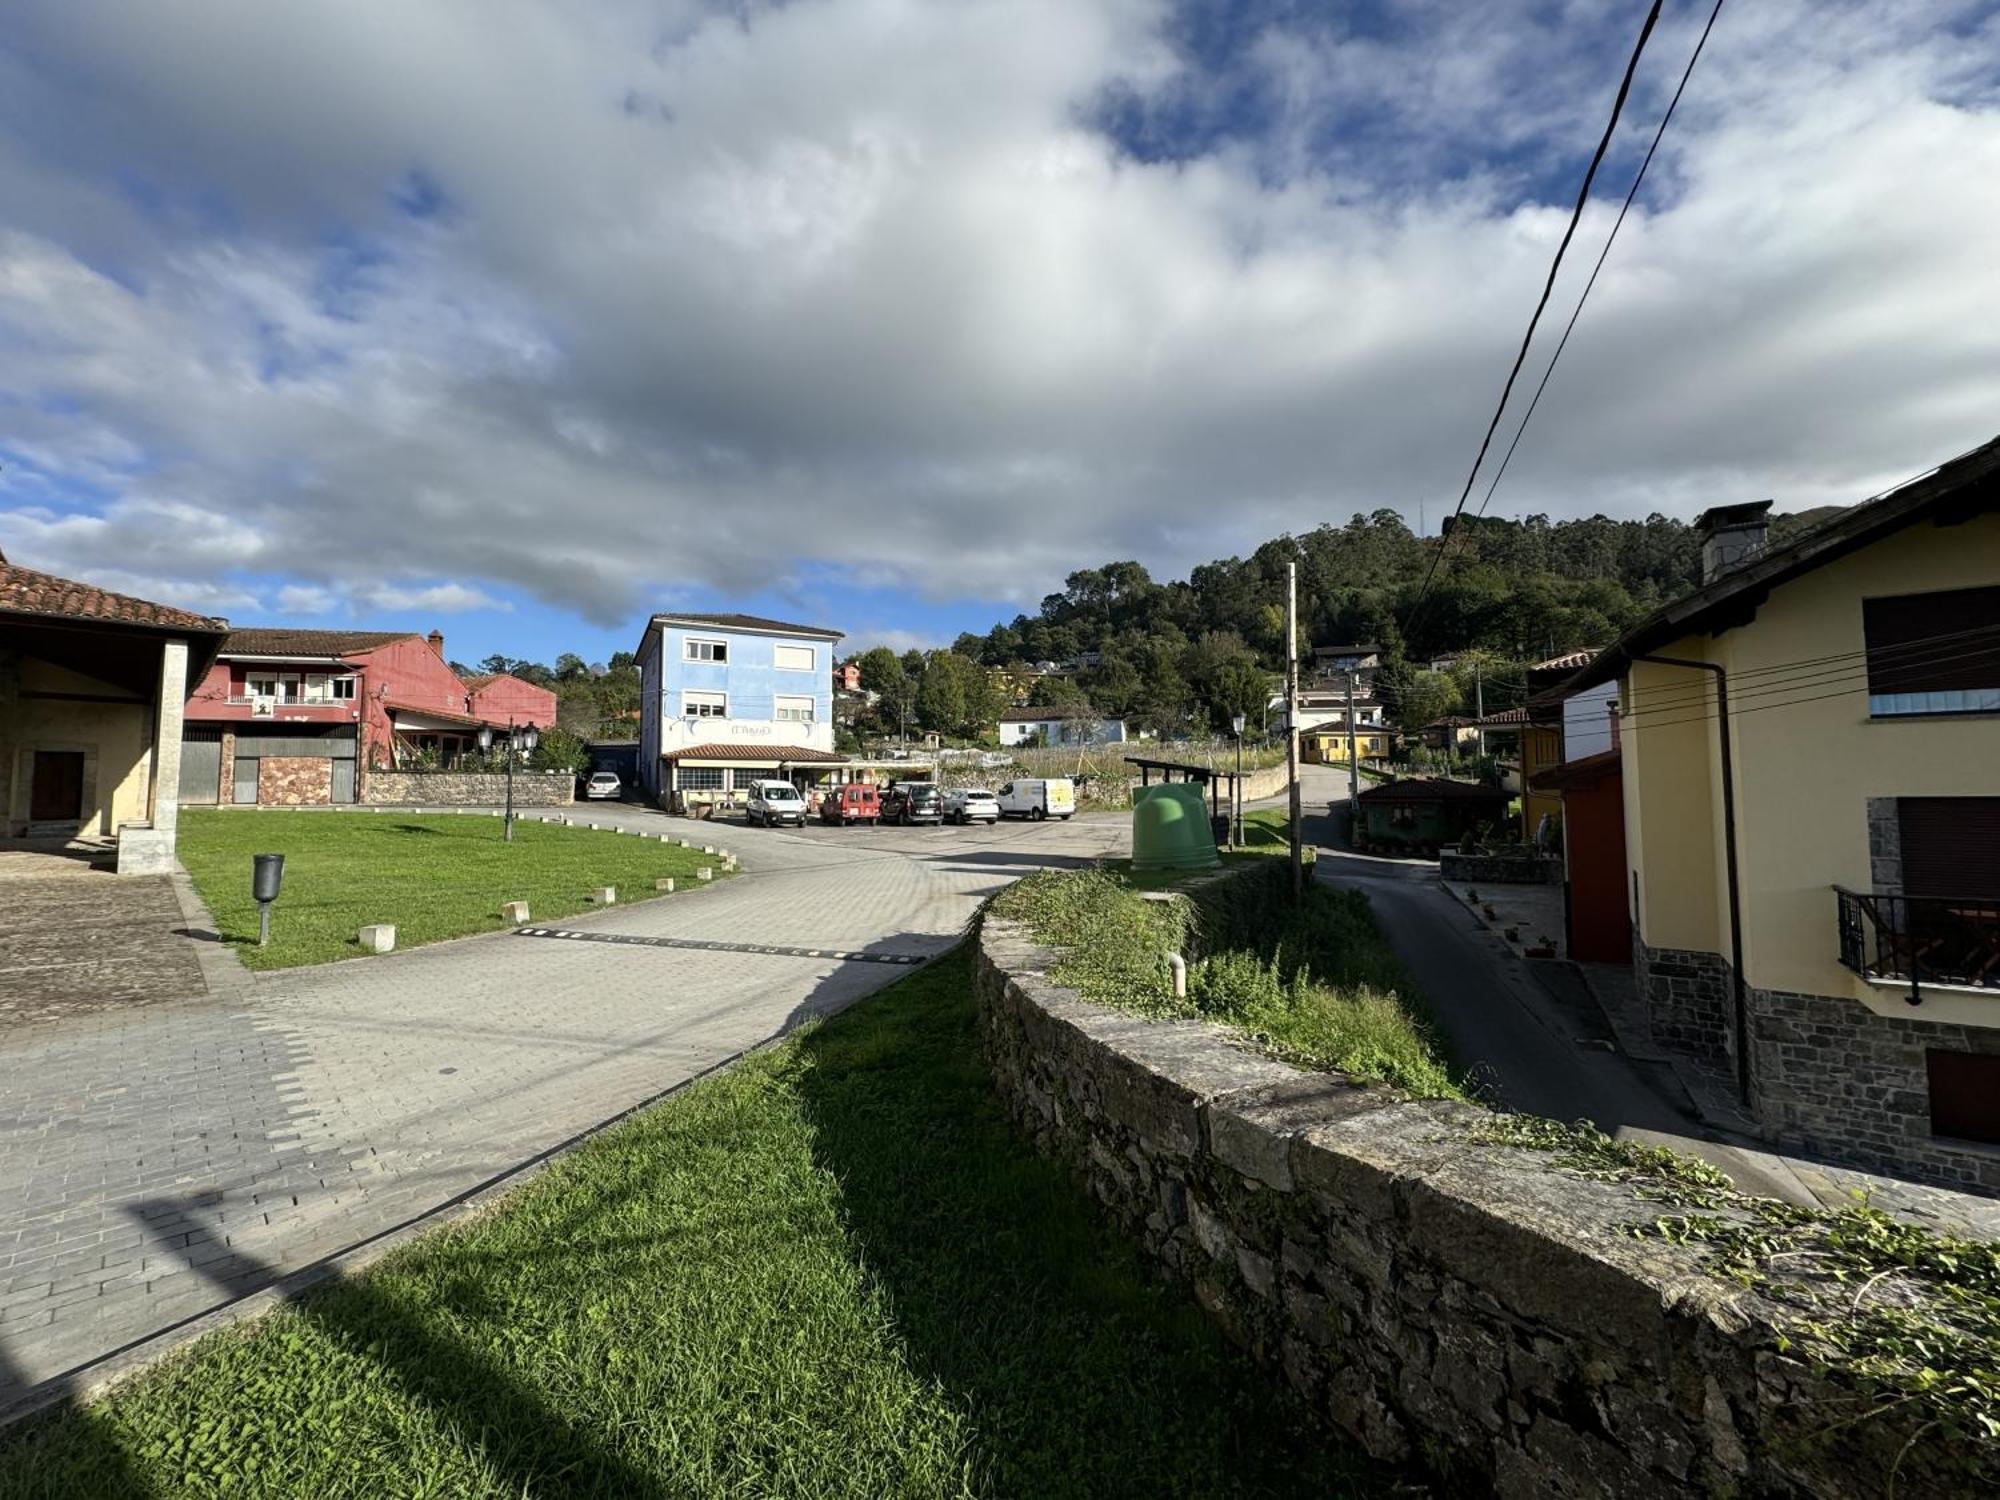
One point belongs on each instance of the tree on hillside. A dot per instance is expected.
(1053, 690)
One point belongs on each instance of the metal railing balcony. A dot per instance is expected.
(1921, 940)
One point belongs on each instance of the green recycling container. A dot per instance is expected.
(1170, 828)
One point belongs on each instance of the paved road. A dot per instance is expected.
(161, 1161)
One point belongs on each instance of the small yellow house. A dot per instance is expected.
(1810, 748)
(1326, 744)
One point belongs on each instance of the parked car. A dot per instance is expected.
(971, 804)
(603, 784)
(773, 804)
(911, 802)
(1037, 798)
(857, 802)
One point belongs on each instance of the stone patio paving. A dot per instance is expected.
(76, 939)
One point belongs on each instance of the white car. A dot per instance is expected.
(971, 804)
(1036, 798)
(603, 784)
(774, 803)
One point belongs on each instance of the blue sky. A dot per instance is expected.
(520, 320)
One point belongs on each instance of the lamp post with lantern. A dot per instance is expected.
(1237, 790)
(526, 738)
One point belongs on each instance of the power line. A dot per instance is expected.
(1548, 287)
(1602, 255)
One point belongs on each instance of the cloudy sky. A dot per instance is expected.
(518, 318)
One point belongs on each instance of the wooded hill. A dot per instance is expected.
(1173, 655)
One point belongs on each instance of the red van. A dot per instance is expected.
(857, 802)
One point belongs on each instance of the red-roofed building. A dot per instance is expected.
(299, 717)
(92, 686)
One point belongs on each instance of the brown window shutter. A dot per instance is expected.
(1907, 655)
(1951, 846)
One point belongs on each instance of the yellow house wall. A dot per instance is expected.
(120, 734)
(1804, 769)
(1670, 841)
(1541, 750)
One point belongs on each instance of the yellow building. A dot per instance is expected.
(92, 686)
(1810, 749)
(1326, 744)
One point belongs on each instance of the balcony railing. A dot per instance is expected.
(1921, 940)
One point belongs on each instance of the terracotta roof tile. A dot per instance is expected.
(801, 755)
(23, 591)
(282, 642)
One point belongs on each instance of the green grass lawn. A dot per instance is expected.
(1316, 983)
(833, 1270)
(433, 876)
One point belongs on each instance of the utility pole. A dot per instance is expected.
(1353, 761)
(1479, 704)
(1292, 726)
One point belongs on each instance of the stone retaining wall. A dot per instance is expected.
(1462, 1305)
(469, 788)
(1501, 869)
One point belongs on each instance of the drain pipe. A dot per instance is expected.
(1177, 966)
(1738, 996)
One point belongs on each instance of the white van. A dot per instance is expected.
(775, 803)
(1037, 798)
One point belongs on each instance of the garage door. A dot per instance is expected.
(201, 766)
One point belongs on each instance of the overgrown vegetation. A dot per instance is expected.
(831, 1271)
(1909, 1316)
(433, 876)
(1315, 983)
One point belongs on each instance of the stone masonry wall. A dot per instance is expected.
(1500, 869)
(469, 788)
(1837, 1080)
(1442, 1301)
(294, 781)
(1688, 1001)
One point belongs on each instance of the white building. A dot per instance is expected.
(1059, 726)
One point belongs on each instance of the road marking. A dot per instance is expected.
(774, 950)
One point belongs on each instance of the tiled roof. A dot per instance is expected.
(1424, 789)
(258, 642)
(746, 622)
(23, 591)
(799, 755)
(479, 680)
(1049, 714)
(1507, 716)
(1569, 661)
(473, 720)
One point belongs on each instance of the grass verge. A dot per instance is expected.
(1317, 983)
(833, 1270)
(433, 877)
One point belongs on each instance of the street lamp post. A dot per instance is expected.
(527, 739)
(1237, 791)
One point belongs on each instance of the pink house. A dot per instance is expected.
(501, 698)
(302, 716)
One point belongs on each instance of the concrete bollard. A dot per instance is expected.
(604, 895)
(592, 827)
(708, 848)
(704, 873)
(684, 843)
(663, 884)
(515, 911)
(380, 938)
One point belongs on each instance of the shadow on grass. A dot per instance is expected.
(1082, 1375)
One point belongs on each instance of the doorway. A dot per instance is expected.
(55, 792)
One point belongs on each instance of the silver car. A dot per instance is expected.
(970, 804)
(603, 784)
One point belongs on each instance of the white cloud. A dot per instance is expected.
(711, 295)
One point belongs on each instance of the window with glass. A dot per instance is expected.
(794, 710)
(343, 688)
(704, 650)
(696, 705)
(701, 778)
(1935, 653)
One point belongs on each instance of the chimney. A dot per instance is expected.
(437, 643)
(1732, 537)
